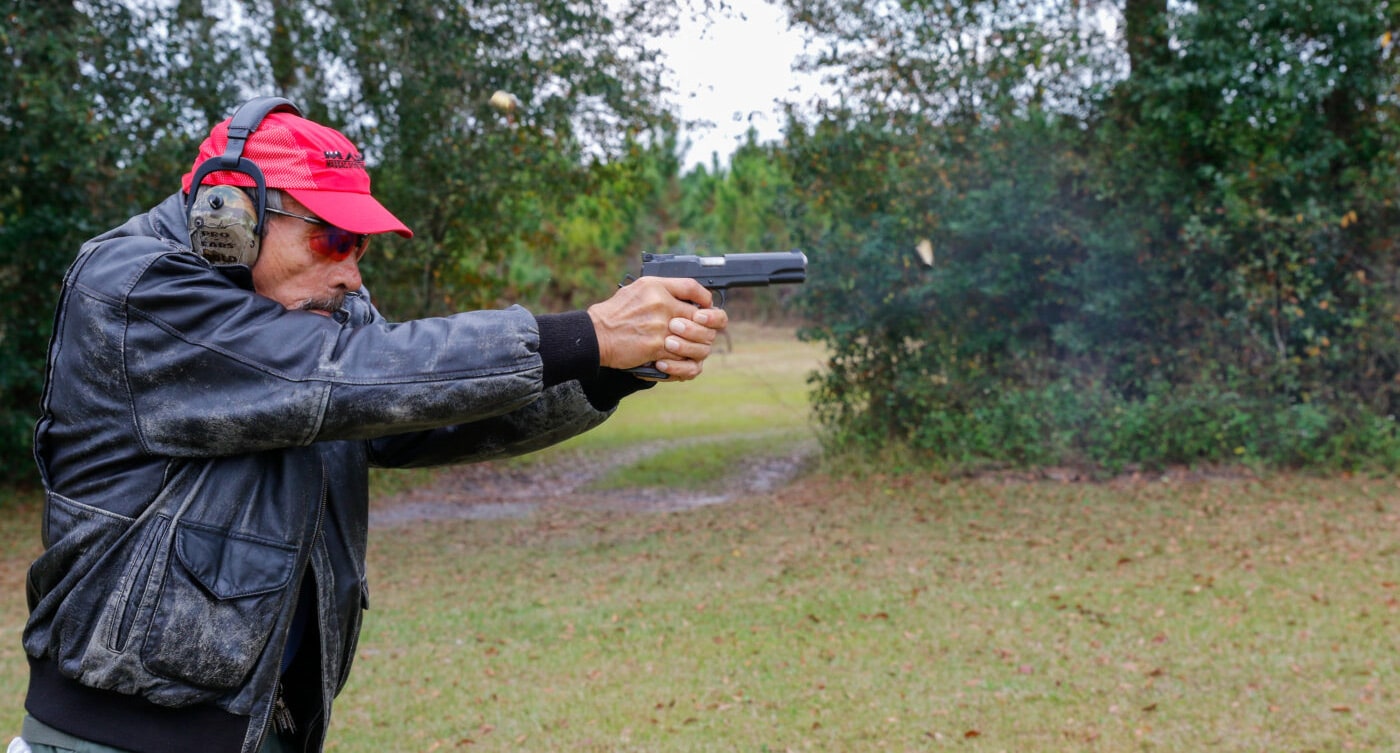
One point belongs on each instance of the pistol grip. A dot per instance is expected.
(648, 371)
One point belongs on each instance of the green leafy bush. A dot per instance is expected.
(1190, 264)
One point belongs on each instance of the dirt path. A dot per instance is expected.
(490, 491)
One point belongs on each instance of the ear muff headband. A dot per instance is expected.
(242, 125)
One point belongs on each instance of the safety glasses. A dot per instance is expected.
(330, 241)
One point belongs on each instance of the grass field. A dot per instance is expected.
(898, 614)
(871, 612)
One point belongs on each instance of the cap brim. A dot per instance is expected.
(356, 212)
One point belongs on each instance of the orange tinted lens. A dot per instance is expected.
(336, 244)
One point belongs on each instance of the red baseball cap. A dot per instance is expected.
(316, 165)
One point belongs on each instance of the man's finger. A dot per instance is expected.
(686, 289)
(679, 370)
(692, 351)
(691, 331)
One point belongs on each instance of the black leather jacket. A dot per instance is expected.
(202, 447)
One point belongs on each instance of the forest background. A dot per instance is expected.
(1107, 233)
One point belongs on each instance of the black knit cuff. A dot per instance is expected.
(569, 350)
(568, 347)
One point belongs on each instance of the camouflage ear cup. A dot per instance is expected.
(223, 225)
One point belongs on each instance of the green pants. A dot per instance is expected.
(55, 741)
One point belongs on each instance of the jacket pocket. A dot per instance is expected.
(220, 602)
(132, 588)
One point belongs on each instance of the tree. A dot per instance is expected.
(1145, 30)
(92, 114)
(477, 184)
(1187, 223)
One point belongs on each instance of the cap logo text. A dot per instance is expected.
(338, 159)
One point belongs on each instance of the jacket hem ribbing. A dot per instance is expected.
(128, 722)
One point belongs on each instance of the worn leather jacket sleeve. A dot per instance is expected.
(213, 369)
(561, 412)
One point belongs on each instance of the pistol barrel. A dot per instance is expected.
(730, 270)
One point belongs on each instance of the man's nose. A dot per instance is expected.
(347, 274)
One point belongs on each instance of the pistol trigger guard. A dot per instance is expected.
(720, 298)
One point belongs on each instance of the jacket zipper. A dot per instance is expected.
(279, 717)
(282, 720)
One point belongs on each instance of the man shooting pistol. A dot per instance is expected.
(720, 273)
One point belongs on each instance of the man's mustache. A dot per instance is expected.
(329, 305)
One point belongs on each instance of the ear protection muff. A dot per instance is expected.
(226, 223)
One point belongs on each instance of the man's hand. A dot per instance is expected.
(667, 320)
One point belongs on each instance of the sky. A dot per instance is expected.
(731, 73)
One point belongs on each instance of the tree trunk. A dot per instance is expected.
(1145, 24)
